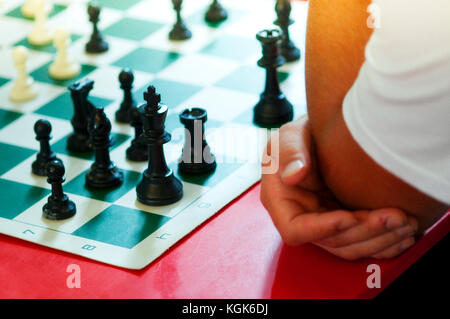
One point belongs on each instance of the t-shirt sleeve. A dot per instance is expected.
(398, 109)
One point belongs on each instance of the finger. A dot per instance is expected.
(272, 189)
(297, 227)
(369, 247)
(395, 249)
(294, 147)
(372, 224)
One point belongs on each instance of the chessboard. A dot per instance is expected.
(215, 70)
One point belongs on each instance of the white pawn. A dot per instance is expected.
(24, 88)
(63, 67)
(40, 34)
(28, 9)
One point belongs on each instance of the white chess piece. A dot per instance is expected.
(24, 88)
(63, 67)
(40, 34)
(28, 9)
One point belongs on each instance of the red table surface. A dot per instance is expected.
(236, 254)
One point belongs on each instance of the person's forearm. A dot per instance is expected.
(336, 37)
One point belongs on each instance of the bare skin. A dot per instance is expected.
(338, 28)
(328, 191)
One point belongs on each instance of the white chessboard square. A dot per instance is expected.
(35, 60)
(117, 48)
(254, 22)
(191, 192)
(221, 104)
(172, 152)
(201, 36)
(22, 172)
(86, 209)
(107, 83)
(75, 18)
(13, 29)
(162, 11)
(22, 130)
(46, 93)
(8, 5)
(198, 69)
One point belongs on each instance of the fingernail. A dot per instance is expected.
(292, 168)
(407, 243)
(393, 223)
(405, 231)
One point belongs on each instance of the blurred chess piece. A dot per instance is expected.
(96, 43)
(40, 33)
(216, 13)
(28, 9)
(63, 67)
(24, 88)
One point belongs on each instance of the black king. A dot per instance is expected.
(158, 186)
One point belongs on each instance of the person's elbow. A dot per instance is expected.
(359, 182)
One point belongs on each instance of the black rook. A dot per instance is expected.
(273, 107)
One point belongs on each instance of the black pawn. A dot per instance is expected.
(196, 157)
(216, 13)
(138, 151)
(287, 48)
(96, 43)
(179, 30)
(158, 185)
(103, 172)
(58, 205)
(43, 128)
(126, 79)
(273, 108)
(78, 141)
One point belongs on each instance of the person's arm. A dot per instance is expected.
(336, 37)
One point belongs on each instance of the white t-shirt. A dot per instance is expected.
(398, 109)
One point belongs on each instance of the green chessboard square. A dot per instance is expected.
(12, 155)
(172, 93)
(232, 47)
(77, 186)
(222, 171)
(60, 146)
(147, 60)
(132, 29)
(118, 4)
(62, 107)
(50, 48)
(239, 80)
(41, 74)
(121, 226)
(17, 13)
(17, 197)
(7, 117)
(198, 17)
(3, 81)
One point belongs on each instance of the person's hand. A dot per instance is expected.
(305, 211)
